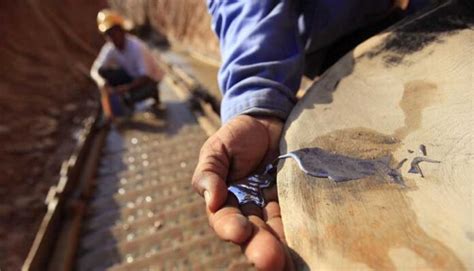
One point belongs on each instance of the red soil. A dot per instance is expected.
(45, 93)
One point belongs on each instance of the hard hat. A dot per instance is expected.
(107, 19)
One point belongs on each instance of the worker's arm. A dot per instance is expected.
(262, 56)
(104, 88)
(261, 71)
(102, 58)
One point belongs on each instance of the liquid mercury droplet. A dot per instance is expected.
(323, 164)
(318, 163)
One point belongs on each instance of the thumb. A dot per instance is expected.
(212, 187)
(209, 178)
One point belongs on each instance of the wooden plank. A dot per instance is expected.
(37, 258)
(44, 246)
(409, 86)
(63, 255)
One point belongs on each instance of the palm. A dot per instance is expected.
(237, 150)
(250, 147)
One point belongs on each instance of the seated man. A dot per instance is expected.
(124, 70)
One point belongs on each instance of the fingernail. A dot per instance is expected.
(207, 197)
(242, 220)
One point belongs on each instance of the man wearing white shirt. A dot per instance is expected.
(125, 69)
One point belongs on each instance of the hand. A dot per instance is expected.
(235, 151)
(105, 90)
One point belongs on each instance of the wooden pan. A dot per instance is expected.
(410, 86)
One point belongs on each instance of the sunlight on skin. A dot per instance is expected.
(238, 149)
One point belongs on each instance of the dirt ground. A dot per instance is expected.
(45, 53)
(186, 23)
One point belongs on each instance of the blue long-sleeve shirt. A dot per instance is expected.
(263, 43)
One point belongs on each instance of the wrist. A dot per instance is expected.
(274, 127)
(270, 122)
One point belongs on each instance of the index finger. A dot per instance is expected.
(229, 223)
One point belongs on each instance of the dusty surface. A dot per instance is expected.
(363, 108)
(184, 22)
(45, 52)
(202, 72)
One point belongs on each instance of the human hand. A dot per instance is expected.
(234, 152)
(105, 90)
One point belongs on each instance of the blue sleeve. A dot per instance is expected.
(262, 56)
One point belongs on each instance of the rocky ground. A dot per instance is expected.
(45, 94)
